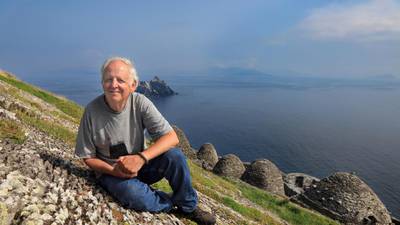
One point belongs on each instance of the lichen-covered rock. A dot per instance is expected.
(296, 183)
(230, 166)
(347, 198)
(264, 174)
(184, 144)
(208, 155)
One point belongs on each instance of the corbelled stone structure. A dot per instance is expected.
(264, 174)
(296, 183)
(345, 197)
(208, 156)
(229, 166)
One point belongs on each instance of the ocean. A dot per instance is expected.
(311, 126)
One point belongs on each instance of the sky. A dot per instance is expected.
(282, 37)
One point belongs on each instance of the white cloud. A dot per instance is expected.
(375, 20)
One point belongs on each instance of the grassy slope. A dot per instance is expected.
(252, 203)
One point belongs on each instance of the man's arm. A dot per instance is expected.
(132, 163)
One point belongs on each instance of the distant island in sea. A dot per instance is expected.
(155, 88)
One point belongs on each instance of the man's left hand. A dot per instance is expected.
(130, 163)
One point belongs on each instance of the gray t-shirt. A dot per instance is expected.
(106, 134)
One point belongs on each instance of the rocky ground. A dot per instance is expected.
(41, 182)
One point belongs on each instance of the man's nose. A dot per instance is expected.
(114, 83)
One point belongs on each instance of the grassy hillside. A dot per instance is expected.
(59, 118)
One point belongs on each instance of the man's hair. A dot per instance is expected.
(132, 69)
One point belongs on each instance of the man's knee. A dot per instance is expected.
(175, 155)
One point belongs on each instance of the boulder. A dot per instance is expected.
(230, 166)
(208, 155)
(345, 197)
(264, 174)
(296, 183)
(184, 144)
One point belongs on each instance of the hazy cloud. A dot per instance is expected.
(375, 20)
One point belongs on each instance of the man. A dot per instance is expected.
(111, 138)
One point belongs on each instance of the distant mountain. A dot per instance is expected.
(235, 71)
(385, 77)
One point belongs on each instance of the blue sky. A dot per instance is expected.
(316, 38)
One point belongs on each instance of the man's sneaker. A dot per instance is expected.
(201, 217)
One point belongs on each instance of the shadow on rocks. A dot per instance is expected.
(65, 167)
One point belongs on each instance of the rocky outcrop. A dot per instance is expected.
(208, 156)
(229, 166)
(296, 183)
(265, 175)
(184, 144)
(155, 88)
(345, 197)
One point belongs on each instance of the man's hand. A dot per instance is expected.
(130, 164)
(118, 171)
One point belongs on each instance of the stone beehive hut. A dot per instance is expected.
(264, 174)
(208, 155)
(347, 198)
(230, 166)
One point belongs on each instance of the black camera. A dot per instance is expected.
(118, 150)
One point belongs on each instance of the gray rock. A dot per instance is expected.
(184, 144)
(208, 155)
(7, 114)
(296, 183)
(345, 197)
(230, 166)
(264, 174)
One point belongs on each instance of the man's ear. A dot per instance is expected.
(134, 86)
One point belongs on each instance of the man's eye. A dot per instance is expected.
(121, 81)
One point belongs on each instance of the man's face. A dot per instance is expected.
(117, 84)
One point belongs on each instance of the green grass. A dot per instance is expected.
(249, 212)
(210, 185)
(65, 117)
(12, 131)
(163, 186)
(66, 106)
(52, 129)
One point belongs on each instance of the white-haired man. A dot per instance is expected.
(111, 140)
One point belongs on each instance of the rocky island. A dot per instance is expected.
(42, 182)
(155, 88)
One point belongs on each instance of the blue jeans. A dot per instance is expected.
(135, 193)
